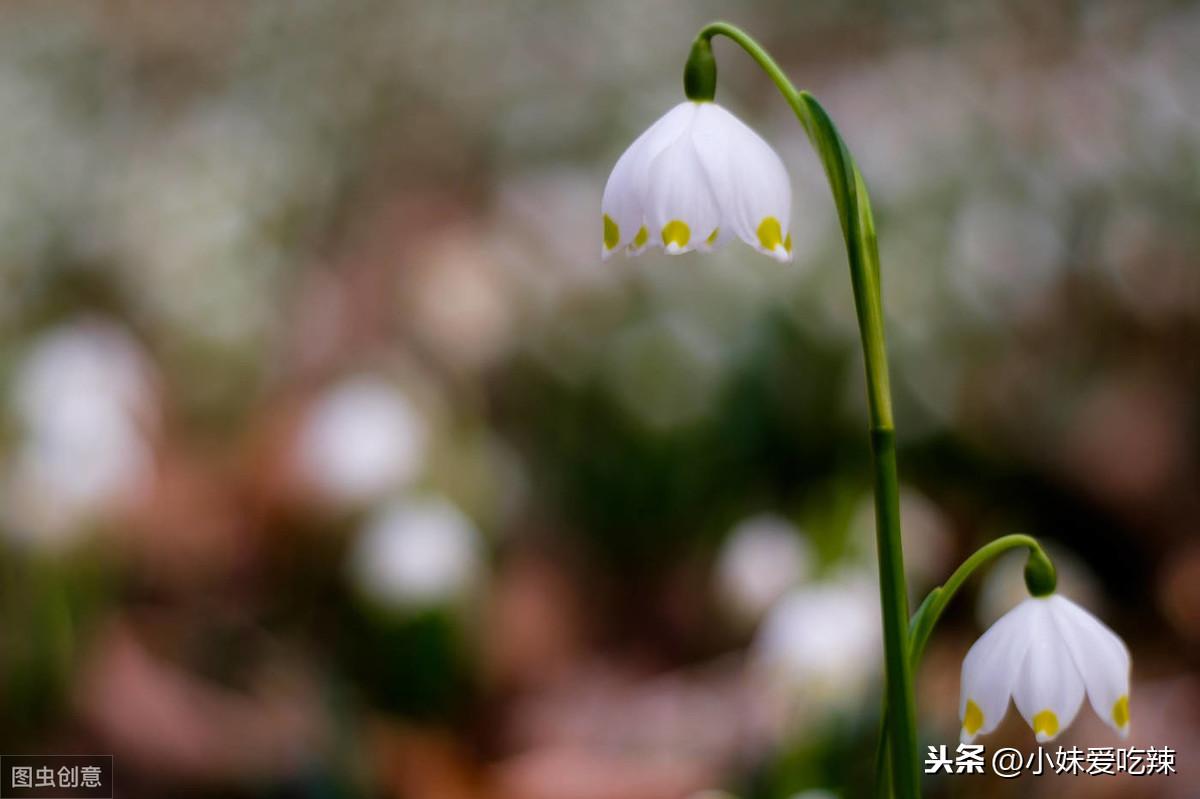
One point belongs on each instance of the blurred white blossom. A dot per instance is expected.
(457, 301)
(820, 647)
(417, 553)
(362, 439)
(83, 401)
(763, 558)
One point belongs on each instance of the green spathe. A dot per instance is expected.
(700, 72)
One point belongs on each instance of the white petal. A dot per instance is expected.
(748, 179)
(1049, 690)
(624, 194)
(990, 671)
(680, 208)
(1101, 658)
(620, 206)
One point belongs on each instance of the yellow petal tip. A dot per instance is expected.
(612, 233)
(1045, 725)
(1120, 713)
(972, 718)
(770, 236)
(675, 236)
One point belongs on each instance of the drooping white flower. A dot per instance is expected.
(1045, 654)
(417, 553)
(695, 178)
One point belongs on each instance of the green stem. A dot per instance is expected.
(858, 230)
(1039, 577)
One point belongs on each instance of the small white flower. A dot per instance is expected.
(1045, 654)
(84, 401)
(763, 558)
(698, 176)
(819, 647)
(417, 553)
(362, 439)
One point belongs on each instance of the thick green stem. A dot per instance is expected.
(858, 230)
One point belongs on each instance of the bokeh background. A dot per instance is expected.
(334, 463)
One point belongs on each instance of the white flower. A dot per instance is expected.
(417, 553)
(763, 558)
(1045, 653)
(819, 647)
(362, 439)
(698, 176)
(84, 401)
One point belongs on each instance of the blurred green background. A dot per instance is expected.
(334, 463)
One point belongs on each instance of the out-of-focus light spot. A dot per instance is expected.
(763, 558)
(363, 439)
(417, 553)
(819, 647)
(457, 302)
(83, 399)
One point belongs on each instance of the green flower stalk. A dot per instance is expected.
(699, 177)
(858, 231)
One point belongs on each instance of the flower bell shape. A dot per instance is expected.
(1045, 653)
(695, 178)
